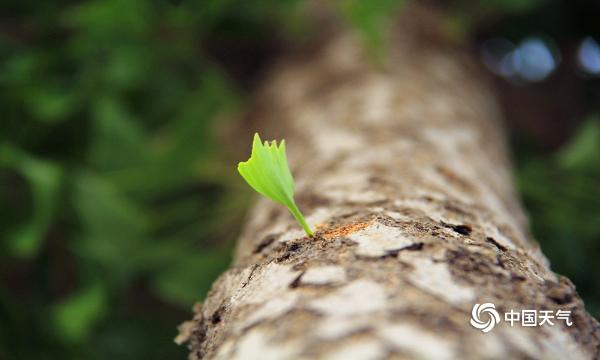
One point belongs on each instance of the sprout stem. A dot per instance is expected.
(298, 215)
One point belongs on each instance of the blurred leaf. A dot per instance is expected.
(515, 6)
(140, 333)
(44, 180)
(182, 147)
(118, 139)
(113, 227)
(19, 68)
(128, 66)
(371, 19)
(51, 104)
(583, 150)
(189, 277)
(562, 195)
(109, 17)
(75, 317)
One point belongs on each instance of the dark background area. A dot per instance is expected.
(119, 207)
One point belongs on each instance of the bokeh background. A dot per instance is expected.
(119, 206)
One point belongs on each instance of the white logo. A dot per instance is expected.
(493, 317)
(525, 317)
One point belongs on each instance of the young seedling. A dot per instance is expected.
(267, 171)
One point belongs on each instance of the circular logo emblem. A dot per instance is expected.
(484, 317)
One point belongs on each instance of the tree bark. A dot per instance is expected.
(403, 171)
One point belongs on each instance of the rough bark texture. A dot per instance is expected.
(405, 171)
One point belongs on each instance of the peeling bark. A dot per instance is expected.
(404, 173)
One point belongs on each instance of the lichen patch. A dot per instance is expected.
(379, 240)
(335, 327)
(324, 275)
(272, 309)
(270, 281)
(319, 216)
(368, 349)
(559, 344)
(291, 235)
(256, 344)
(492, 231)
(359, 297)
(435, 278)
(416, 342)
(186, 330)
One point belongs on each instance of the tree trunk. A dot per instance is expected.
(404, 173)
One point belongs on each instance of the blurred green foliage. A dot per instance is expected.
(117, 207)
(372, 21)
(118, 204)
(562, 194)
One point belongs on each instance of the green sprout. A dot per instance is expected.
(267, 171)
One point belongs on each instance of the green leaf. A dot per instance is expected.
(76, 316)
(50, 103)
(118, 141)
(188, 277)
(267, 171)
(114, 228)
(371, 19)
(583, 149)
(44, 178)
(512, 6)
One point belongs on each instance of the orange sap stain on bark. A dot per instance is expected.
(344, 230)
